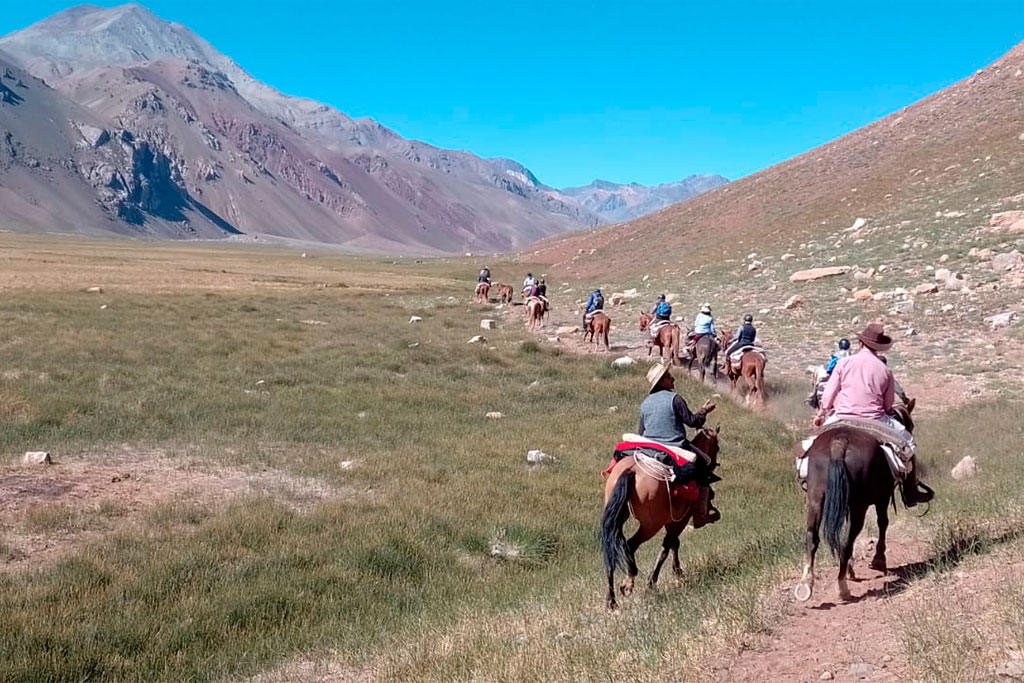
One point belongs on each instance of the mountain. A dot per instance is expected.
(615, 203)
(180, 141)
(942, 164)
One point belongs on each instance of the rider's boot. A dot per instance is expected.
(704, 512)
(912, 490)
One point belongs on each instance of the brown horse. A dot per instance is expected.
(598, 328)
(629, 490)
(505, 293)
(749, 368)
(667, 340)
(847, 473)
(534, 313)
(705, 355)
(483, 289)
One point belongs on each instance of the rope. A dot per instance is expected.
(659, 471)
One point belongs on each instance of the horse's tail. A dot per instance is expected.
(616, 512)
(837, 494)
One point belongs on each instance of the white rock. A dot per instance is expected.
(910, 333)
(964, 469)
(478, 339)
(37, 458)
(630, 293)
(303, 255)
(756, 265)
(567, 329)
(623, 362)
(794, 301)
(103, 307)
(347, 464)
(94, 290)
(764, 311)
(946, 308)
(413, 345)
(942, 274)
(488, 324)
(361, 414)
(507, 550)
(613, 409)
(493, 415)
(671, 298)
(1001, 320)
(857, 225)
(537, 457)
(905, 307)
(646, 278)
(415, 319)
(818, 273)
(787, 256)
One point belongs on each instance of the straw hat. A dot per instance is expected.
(656, 372)
(875, 338)
(706, 308)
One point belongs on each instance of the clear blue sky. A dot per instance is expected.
(626, 91)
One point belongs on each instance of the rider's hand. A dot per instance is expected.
(708, 406)
(819, 420)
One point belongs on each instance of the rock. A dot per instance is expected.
(478, 339)
(630, 293)
(946, 308)
(1001, 320)
(926, 288)
(346, 464)
(857, 225)
(415, 319)
(943, 258)
(964, 469)
(616, 299)
(361, 414)
(103, 307)
(1004, 262)
(860, 670)
(910, 332)
(942, 274)
(646, 278)
(787, 256)
(862, 295)
(538, 457)
(864, 274)
(1006, 219)
(623, 362)
(956, 282)
(303, 255)
(37, 458)
(755, 265)
(764, 311)
(818, 273)
(488, 324)
(413, 345)
(94, 290)
(613, 409)
(825, 676)
(1012, 668)
(883, 296)
(567, 329)
(794, 301)
(506, 550)
(905, 307)
(493, 415)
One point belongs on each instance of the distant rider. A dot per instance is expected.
(542, 293)
(863, 387)
(842, 352)
(484, 276)
(662, 309)
(746, 335)
(528, 284)
(594, 303)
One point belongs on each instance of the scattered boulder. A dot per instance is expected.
(567, 329)
(883, 296)
(964, 469)
(1004, 262)
(946, 308)
(943, 274)
(671, 297)
(1001, 320)
(795, 301)
(862, 295)
(488, 324)
(478, 339)
(94, 290)
(538, 457)
(493, 415)
(1006, 219)
(37, 458)
(818, 273)
(860, 670)
(787, 256)
(630, 293)
(415, 319)
(613, 409)
(857, 225)
(623, 362)
(905, 307)
(926, 288)
(956, 282)
(754, 265)
(509, 551)
(1011, 669)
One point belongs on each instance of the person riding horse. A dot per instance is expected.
(662, 309)
(664, 417)
(814, 398)
(528, 284)
(484, 276)
(863, 387)
(541, 292)
(746, 335)
(594, 303)
(702, 325)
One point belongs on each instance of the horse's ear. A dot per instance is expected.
(718, 429)
(911, 402)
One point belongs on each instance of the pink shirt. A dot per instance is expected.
(860, 386)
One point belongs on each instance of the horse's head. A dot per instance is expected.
(645, 320)
(707, 440)
(725, 334)
(902, 414)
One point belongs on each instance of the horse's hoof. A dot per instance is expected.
(802, 592)
(879, 565)
(612, 606)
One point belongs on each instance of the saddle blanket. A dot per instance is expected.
(590, 316)
(657, 325)
(897, 453)
(632, 445)
(736, 355)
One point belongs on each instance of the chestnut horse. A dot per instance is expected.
(629, 490)
(482, 291)
(847, 472)
(534, 313)
(667, 340)
(597, 328)
(749, 368)
(505, 293)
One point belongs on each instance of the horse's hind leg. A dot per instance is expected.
(611, 588)
(845, 557)
(669, 544)
(635, 541)
(815, 503)
(878, 561)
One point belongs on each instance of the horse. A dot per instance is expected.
(534, 313)
(705, 354)
(597, 328)
(629, 490)
(482, 291)
(750, 368)
(505, 293)
(846, 474)
(667, 339)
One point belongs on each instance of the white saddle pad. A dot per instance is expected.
(753, 348)
(688, 456)
(657, 325)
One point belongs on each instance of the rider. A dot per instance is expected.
(594, 303)
(842, 352)
(528, 284)
(746, 335)
(862, 387)
(664, 417)
(662, 309)
(704, 324)
(484, 276)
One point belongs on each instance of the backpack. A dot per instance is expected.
(664, 308)
(598, 302)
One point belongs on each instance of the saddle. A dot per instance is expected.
(897, 454)
(656, 326)
(736, 355)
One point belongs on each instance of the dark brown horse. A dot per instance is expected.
(598, 328)
(705, 355)
(749, 368)
(667, 339)
(482, 291)
(630, 490)
(505, 293)
(847, 473)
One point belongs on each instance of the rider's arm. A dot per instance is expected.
(888, 395)
(695, 420)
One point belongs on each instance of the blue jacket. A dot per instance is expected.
(595, 302)
(704, 324)
(662, 309)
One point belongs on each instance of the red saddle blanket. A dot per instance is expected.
(688, 491)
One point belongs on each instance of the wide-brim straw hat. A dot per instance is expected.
(656, 372)
(706, 308)
(875, 338)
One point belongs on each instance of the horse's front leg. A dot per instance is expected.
(846, 554)
(878, 562)
(669, 544)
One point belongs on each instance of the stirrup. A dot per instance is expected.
(712, 516)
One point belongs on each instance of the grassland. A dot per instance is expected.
(213, 359)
